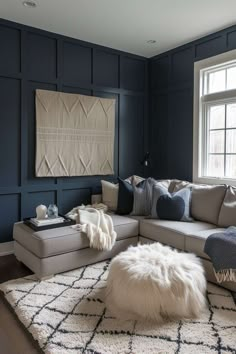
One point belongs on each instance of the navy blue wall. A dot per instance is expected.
(171, 103)
(31, 59)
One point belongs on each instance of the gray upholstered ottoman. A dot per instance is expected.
(58, 250)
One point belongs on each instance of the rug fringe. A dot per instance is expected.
(225, 275)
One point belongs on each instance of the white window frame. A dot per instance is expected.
(198, 130)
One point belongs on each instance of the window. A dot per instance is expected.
(214, 159)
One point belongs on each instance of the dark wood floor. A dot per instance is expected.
(14, 339)
(11, 268)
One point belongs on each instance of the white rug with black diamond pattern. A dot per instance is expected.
(66, 315)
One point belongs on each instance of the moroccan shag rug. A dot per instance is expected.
(66, 315)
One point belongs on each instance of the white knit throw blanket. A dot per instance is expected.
(97, 225)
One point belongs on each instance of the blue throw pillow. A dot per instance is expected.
(143, 197)
(126, 197)
(171, 206)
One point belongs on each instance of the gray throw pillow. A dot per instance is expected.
(143, 197)
(171, 206)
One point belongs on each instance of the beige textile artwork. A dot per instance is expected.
(74, 134)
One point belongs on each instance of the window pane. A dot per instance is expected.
(231, 116)
(215, 166)
(231, 78)
(217, 117)
(216, 141)
(231, 166)
(217, 81)
(231, 141)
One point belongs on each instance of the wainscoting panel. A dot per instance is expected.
(159, 72)
(211, 47)
(180, 133)
(34, 59)
(182, 65)
(41, 57)
(106, 68)
(131, 130)
(31, 200)
(74, 197)
(171, 102)
(132, 73)
(77, 62)
(10, 40)
(10, 213)
(10, 106)
(231, 40)
(159, 134)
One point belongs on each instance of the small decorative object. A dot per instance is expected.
(41, 211)
(52, 211)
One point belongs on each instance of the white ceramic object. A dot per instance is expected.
(41, 211)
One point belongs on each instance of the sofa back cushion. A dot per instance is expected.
(227, 215)
(206, 200)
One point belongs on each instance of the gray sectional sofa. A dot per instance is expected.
(57, 250)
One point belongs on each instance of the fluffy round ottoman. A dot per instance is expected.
(155, 282)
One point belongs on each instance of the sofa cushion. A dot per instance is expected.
(227, 215)
(206, 200)
(195, 242)
(171, 206)
(110, 194)
(126, 196)
(66, 239)
(171, 232)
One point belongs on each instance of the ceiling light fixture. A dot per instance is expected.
(151, 41)
(29, 3)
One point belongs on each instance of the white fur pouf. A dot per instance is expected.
(155, 282)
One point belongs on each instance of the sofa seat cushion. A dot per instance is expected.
(171, 232)
(195, 242)
(66, 239)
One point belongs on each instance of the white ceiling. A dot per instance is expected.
(126, 24)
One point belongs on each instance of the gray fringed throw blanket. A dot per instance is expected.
(221, 248)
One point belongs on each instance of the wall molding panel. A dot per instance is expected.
(171, 103)
(35, 59)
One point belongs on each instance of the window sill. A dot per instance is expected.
(212, 180)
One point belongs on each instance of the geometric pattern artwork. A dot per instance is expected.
(74, 134)
(66, 314)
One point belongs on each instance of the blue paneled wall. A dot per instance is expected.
(171, 103)
(31, 59)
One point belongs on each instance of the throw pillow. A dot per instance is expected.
(143, 198)
(126, 196)
(110, 194)
(110, 191)
(171, 206)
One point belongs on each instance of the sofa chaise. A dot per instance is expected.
(213, 208)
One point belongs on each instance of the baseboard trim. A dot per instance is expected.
(6, 248)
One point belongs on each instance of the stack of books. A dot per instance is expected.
(46, 222)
